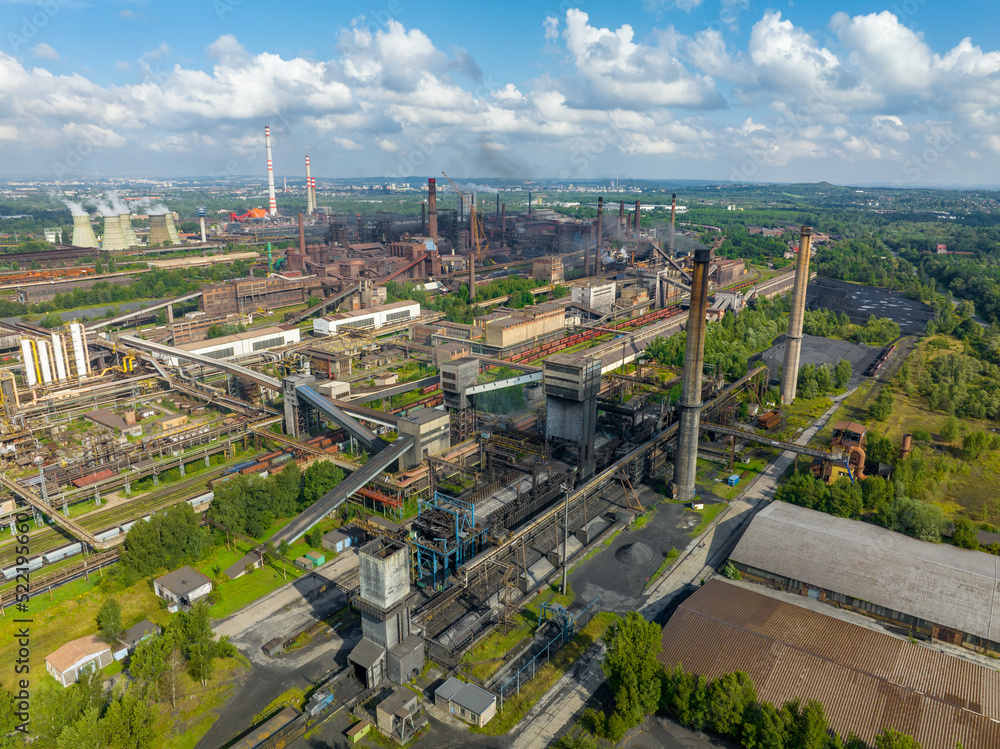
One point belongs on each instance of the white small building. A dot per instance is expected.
(466, 702)
(184, 586)
(370, 318)
(334, 389)
(597, 294)
(241, 344)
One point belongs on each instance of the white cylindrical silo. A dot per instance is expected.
(59, 355)
(80, 357)
(29, 363)
(42, 347)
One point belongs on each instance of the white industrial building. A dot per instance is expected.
(594, 293)
(241, 344)
(370, 318)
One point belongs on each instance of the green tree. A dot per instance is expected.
(879, 449)
(845, 499)
(148, 663)
(881, 408)
(318, 479)
(966, 536)
(575, 741)
(893, 739)
(51, 320)
(686, 696)
(86, 732)
(877, 493)
(287, 486)
(109, 621)
(130, 721)
(807, 726)
(949, 432)
(729, 699)
(804, 490)
(842, 373)
(918, 519)
(764, 727)
(631, 666)
(975, 444)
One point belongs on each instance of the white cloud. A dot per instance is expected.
(551, 26)
(44, 51)
(348, 145)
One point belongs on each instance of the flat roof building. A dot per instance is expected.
(184, 585)
(467, 702)
(241, 344)
(946, 592)
(370, 318)
(866, 680)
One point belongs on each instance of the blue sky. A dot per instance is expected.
(901, 93)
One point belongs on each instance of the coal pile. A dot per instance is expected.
(635, 554)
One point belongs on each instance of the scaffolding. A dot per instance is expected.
(445, 535)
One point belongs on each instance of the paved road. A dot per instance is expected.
(558, 709)
(286, 610)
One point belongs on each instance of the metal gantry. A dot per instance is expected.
(446, 536)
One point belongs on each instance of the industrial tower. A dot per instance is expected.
(793, 346)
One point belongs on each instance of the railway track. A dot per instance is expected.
(903, 350)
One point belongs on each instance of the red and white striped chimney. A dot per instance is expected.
(309, 195)
(273, 203)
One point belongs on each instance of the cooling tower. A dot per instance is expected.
(162, 230)
(114, 235)
(83, 232)
(127, 231)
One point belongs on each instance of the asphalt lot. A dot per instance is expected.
(817, 350)
(860, 302)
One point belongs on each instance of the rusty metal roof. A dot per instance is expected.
(866, 680)
(938, 583)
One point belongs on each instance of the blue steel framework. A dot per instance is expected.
(467, 541)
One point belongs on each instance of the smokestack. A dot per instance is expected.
(309, 195)
(202, 211)
(673, 216)
(272, 202)
(432, 209)
(529, 203)
(636, 223)
(472, 277)
(600, 230)
(793, 347)
(621, 218)
(302, 236)
(83, 232)
(423, 218)
(686, 462)
(503, 224)
(498, 203)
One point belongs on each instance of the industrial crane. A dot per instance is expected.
(475, 222)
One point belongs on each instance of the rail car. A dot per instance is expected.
(429, 389)
(198, 504)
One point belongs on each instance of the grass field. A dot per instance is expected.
(707, 516)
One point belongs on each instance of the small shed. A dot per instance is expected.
(274, 647)
(358, 731)
(733, 480)
(137, 633)
(386, 378)
(317, 557)
(399, 715)
(466, 702)
(336, 540)
(248, 562)
(304, 562)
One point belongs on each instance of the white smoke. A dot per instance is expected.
(110, 205)
(76, 209)
(147, 206)
(474, 188)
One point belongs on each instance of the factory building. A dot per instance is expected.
(512, 327)
(389, 647)
(247, 294)
(938, 590)
(241, 344)
(867, 680)
(726, 271)
(548, 269)
(595, 293)
(372, 318)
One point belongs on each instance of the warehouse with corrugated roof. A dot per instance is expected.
(939, 590)
(865, 679)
